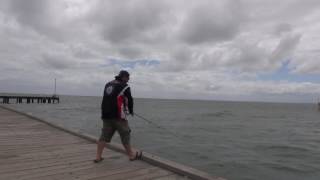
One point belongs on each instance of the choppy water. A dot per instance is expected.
(236, 140)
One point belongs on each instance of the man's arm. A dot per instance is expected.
(127, 93)
(103, 97)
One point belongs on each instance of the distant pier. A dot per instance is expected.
(29, 99)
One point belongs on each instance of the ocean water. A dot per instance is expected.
(235, 140)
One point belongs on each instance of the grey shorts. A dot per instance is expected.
(110, 126)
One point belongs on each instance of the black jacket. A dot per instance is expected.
(109, 102)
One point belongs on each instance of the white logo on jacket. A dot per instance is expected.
(109, 90)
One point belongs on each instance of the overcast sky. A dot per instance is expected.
(252, 50)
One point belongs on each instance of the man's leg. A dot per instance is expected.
(124, 131)
(129, 151)
(100, 146)
(106, 134)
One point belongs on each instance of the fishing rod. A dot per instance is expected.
(148, 121)
(156, 125)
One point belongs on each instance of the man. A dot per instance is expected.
(116, 103)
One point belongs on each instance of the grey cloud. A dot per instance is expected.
(180, 59)
(83, 52)
(127, 21)
(34, 14)
(249, 58)
(306, 64)
(282, 28)
(131, 52)
(212, 22)
(56, 61)
(19, 85)
(276, 12)
(183, 54)
(252, 58)
(48, 18)
(285, 47)
(239, 56)
(213, 88)
(296, 9)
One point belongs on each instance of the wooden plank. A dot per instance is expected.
(13, 141)
(146, 173)
(24, 159)
(47, 157)
(61, 168)
(42, 163)
(158, 173)
(38, 133)
(171, 177)
(95, 170)
(41, 140)
(30, 149)
(59, 149)
(21, 174)
(47, 149)
(27, 148)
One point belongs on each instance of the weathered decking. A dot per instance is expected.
(30, 149)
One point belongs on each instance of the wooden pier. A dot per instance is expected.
(31, 148)
(29, 99)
